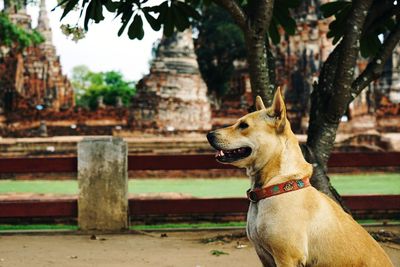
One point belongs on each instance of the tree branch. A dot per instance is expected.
(347, 59)
(375, 67)
(329, 101)
(374, 21)
(262, 16)
(235, 10)
(379, 9)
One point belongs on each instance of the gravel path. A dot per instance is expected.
(169, 249)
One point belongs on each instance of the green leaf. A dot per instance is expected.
(181, 21)
(188, 10)
(273, 32)
(97, 11)
(162, 9)
(168, 22)
(126, 17)
(154, 23)
(136, 28)
(293, 3)
(283, 18)
(390, 24)
(218, 252)
(111, 6)
(68, 7)
(370, 45)
(59, 4)
(332, 8)
(88, 14)
(338, 26)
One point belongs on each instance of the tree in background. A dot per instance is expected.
(356, 26)
(15, 37)
(219, 44)
(109, 86)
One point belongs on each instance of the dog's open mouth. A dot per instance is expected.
(232, 154)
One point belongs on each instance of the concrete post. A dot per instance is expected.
(103, 184)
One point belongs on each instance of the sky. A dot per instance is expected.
(101, 49)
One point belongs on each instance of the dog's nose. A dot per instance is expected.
(211, 137)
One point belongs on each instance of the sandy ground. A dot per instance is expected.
(150, 249)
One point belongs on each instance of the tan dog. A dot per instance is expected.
(297, 226)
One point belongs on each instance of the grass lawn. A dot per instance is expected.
(230, 187)
(164, 226)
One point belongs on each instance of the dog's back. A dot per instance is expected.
(339, 240)
(323, 233)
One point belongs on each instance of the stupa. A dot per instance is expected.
(34, 76)
(173, 97)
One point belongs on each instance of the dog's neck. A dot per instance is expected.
(286, 165)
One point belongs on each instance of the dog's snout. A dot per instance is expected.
(211, 137)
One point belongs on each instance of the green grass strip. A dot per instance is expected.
(194, 226)
(68, 187)
(349, 184)
(187, 226)
(24, 227)
(374, 183)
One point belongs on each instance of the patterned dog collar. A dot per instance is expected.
(277, 189)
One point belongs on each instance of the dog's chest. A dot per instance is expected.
(261, 220)
(252, 222)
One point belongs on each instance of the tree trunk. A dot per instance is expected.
(258, 67)
(322, 129)
(331, 97)
(320, 141)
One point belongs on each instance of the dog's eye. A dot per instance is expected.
(243, 125)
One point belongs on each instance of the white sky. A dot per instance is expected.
(101, 49)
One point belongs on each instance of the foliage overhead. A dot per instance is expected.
(12, 35)
(281, 17)
(90, 86)
(170, 15)
(374, 27)
(220, 42)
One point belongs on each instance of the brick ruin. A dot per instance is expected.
(37, 97)
(33, 80)
(173, 97)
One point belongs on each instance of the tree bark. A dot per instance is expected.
(331, 96)
(258, 67)
(320, 179)
(317, 138)
(254, 24)
(336, 87)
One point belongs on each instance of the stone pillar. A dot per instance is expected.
(43, 129)
(100, 102)
(118, 102)
(103, 184)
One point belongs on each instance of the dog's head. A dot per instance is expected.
(255, 137)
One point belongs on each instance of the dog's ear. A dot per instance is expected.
(259, 103)
(279, 110)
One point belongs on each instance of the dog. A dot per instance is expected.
(289, 222)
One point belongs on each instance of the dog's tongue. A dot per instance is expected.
(219, 153)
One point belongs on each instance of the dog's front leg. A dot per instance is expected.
(290, 261)
(265, 257)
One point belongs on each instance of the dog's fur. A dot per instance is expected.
(298, 228)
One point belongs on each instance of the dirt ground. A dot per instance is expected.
(169, 249)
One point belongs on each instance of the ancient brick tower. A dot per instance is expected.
(173, 97)
(34, 78)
